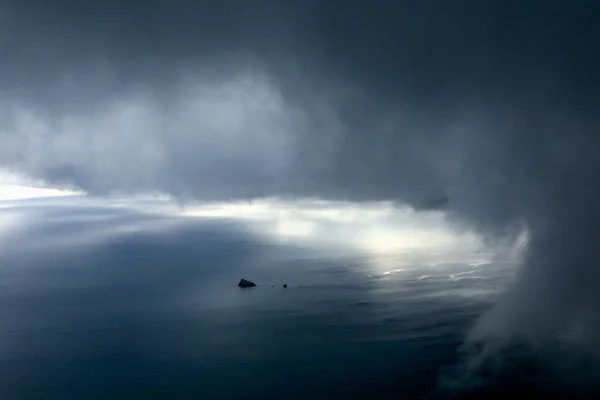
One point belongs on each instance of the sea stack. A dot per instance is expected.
(245, 283)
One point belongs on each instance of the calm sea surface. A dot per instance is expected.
(99, 303)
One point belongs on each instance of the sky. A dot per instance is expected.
(484, 111)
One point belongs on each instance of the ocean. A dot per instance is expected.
(104, 302)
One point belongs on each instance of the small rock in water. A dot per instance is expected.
(285, 285)
(245, 283)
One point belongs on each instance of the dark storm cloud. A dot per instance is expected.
(424, 48)
(378, 90)
(485, 108)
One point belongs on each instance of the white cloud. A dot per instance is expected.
(213, 140)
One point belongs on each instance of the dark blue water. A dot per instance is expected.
(109, 303)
